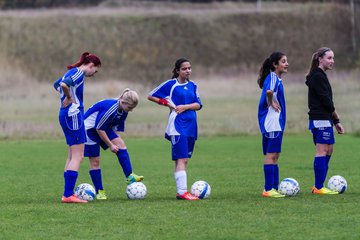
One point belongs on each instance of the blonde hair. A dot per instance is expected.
(130, 97)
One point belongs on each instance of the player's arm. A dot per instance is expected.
(192, 106)
(336, 120)
(65, 86)
(160, 101)
(105, 138)
(271, 102)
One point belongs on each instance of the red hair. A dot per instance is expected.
(85, 59)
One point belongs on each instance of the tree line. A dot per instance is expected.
(23, 4)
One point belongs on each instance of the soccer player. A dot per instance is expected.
(180, 94)
(103, 122)
(322, 115)
(71, 118)
(272, 118)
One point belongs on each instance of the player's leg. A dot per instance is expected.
(323, 139)
(92, 151)
(182, 148)
(124, 159)
(271, 148)
(71, 174)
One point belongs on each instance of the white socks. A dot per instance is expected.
(181, 182)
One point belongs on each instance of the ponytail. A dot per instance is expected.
(177, 66)
(268, 66)
(315, 59)
(86, 58)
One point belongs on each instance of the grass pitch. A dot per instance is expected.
(31, 173)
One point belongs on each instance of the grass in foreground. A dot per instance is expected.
(32, 184)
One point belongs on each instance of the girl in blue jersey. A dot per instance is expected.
(102, 122)
(181, 96)
(71, 118)
(322, 115)
(272, 118)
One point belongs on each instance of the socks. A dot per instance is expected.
(327, 164)
(269, 176)
(181, 182)
(70, 181)
(124, 160)
(320, 171)
(96, 178)
(276, 176)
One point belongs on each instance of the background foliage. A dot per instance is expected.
(142, 47)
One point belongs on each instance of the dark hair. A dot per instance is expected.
(268, 66)
(86, 58)
(177, 66)
(315, 58)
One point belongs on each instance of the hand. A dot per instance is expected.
(339, 128)
(67, 101)
(180, 108)
(276, 106)
(114, 148)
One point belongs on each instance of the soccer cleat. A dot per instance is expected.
(134, 178)
(186, 196)
(323, 191)
(72, 199)
(101, 195)
(272, 194)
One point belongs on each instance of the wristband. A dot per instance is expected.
(163, 101)
(336, 121)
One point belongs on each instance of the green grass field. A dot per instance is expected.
(32, 184)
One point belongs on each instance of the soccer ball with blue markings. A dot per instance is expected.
(289, 187)
(337, 183)
(136, 190)
(85, 191)
(201, 189)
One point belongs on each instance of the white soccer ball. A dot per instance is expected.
(289, 187)
(136, 190)
(337, 183)
(85, 191)
(201, 189)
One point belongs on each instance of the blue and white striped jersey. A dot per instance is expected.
(77, 91)
(177, 93)
(105, 115)
(269, 119)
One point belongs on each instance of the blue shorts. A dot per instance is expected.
(324, 135)
(73, 128)
(94, 142)
(271, 142)
(182, 146)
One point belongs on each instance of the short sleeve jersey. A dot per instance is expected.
(269, 119)
(177, 93)
(76, 89)
(105, 115)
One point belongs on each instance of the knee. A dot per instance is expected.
(94, 163)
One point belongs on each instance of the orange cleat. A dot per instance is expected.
(186, 196)
(323, 191)
(72, 199)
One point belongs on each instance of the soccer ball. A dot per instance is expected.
(85, 192)
(289, 187)
(201, 189)
(136, 190)
(337, 183)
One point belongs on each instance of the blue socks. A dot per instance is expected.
(70, 181)
(124, 160)
(276, 176)
(320, 170)
(271, 173)
(96, 178)
(269, 176)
